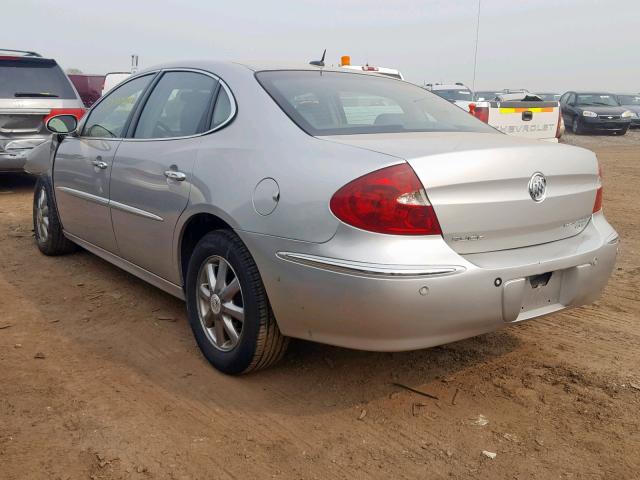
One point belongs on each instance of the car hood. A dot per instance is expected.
(633, 108)
(603, 110)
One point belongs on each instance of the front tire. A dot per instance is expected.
(576, 127)
(46, 222)
(228, 307)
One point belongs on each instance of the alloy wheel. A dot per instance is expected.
(42, 216)
(220, 303)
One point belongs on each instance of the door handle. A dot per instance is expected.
(175, 175)
(100, 164)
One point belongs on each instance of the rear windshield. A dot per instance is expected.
(549, 97)
(33, 78)
(453, 95)
(335, 103)
(392, 75)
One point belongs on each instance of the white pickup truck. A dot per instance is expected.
(521, 114)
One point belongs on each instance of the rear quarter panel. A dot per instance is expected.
(262, 142)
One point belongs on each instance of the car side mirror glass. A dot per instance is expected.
(62, 124)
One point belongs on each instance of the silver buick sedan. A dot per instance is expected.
(335, 206)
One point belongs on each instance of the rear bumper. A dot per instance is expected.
(15, 149)
(12, 162)
(420, 293)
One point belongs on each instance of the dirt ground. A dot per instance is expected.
(100, 378)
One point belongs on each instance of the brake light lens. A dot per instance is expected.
(391, 200)
(76, 112)
(560, 124)
(481, 113)
(597, 205)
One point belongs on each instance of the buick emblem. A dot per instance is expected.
(538, 187)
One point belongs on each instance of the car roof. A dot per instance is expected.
(591, 92)
(448, 86)
(219, 67)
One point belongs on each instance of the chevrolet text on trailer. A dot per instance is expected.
(521, 114)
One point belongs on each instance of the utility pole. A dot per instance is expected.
(134, 63)
(475, 54)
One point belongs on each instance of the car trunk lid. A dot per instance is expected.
(478, 185)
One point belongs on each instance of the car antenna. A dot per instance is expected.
(319, 63)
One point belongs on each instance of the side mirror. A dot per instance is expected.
(62, 124)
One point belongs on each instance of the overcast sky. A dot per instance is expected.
(544, 45)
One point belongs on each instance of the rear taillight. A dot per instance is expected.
(391, 200)
(559, 126)
(597, 205)
(76, 112)
(481, 113)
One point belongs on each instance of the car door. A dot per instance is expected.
(83, 164)
(151, 177)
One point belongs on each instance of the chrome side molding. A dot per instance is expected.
(369, 269)
(136, 211)
(84, 195)
(110, 203)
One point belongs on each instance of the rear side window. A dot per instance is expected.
(33, 78)
(109, 117)
(177, 107)
(335, 103)
(223, 109)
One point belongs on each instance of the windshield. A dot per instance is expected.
(392, 75)
(33, 78)
(549, 97)
(597, 99)
(334, 103)
(629, 99)
(457, 94)
(485, 96)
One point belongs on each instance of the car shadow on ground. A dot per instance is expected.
(16, 182)
(120, 321)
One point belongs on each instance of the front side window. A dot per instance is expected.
(177, 107)
(109, 117)
(629, 99)
(335, 103)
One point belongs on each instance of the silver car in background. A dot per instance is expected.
(329, 205)
(32, 90)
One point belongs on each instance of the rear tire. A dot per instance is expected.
(46, 222)
(228, 308)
